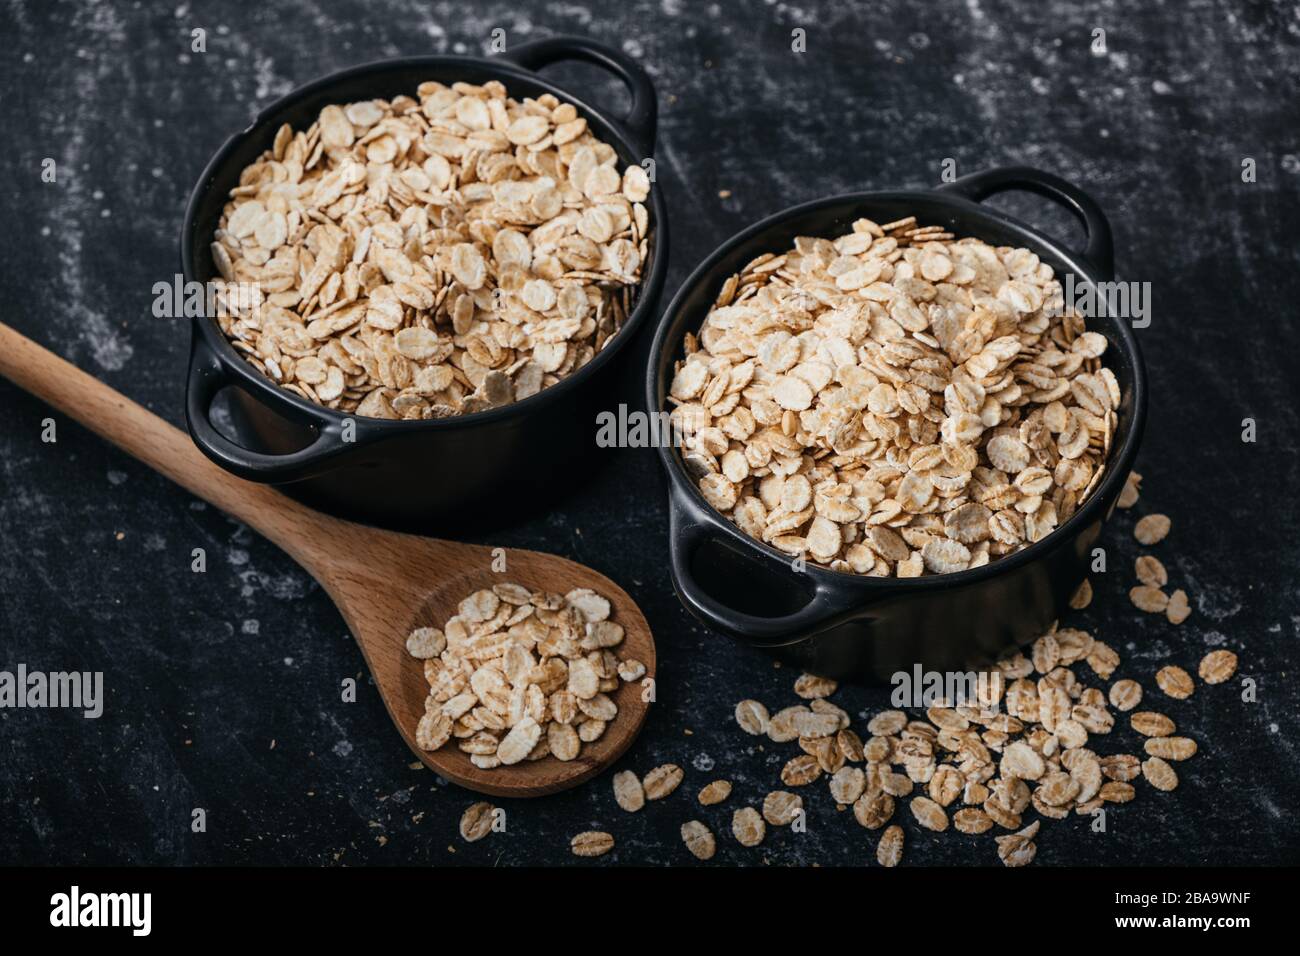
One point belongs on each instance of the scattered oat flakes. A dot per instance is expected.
(1083, 596)
(1170, 748)
(889, 851)
(1125, 694)
(1128, 497)
(1117, 791)
(971, 820)
(699, 839)
(929, 814)
(847, 784)
(1018, 849)
(752, 717)
(1150, 724)
(661, 781)
(873, 809)
(715, 792)
(1218, 666)
(1151, 529)
(812, 687)
(780, 807)
(800, 771)
(1149, 599)
(1159, 774)
(628, 792)
(476, 822)
(1178, 609)
(592, 843)
(1175, 682)
(1103, 659)
(748, 827)
(1151, 572)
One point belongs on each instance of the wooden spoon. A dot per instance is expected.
(382, 582)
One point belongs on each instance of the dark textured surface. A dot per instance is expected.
(223, 689)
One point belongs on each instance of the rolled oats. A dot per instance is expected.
(1151, 572)
(1170, 748)
(748, 827)
(1151, 529)
(889, 851)
(1125, 694)
(699, 840)
(800, 771)
(661, 781)
(780, 807)
(1150, 724)
(476, 822)
(811, 687)
(431, 256)
(929, 814)
(511, 675)
(1175, 682)
(1178, 609)
(891, 403)
(1018, 849)
(1121, 767)
(1128, 497)
(1217, 666)
(971, 820)
(715, 792)
(873, 809)
(986, 766)
(628, 792)
(1159, 774)
(425, 642)
(847, 784)
(752, 717)
(592, 843)
(1149, 599)
(1117, 791)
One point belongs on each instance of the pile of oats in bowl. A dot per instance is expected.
(518, 675)
(432, 256)
(895, 401)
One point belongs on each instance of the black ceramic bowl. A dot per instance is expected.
(416, 475)
(855, 627)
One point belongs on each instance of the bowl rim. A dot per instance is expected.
(265, 390)
(683, 492)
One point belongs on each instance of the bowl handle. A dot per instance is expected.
(640, 118)
(688, 530)
(208, 377)
(1099, 251)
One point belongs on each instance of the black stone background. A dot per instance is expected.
(223, 690)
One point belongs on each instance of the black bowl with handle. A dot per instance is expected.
(864, 628)
(439, 474)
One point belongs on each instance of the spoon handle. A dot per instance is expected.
(166, 449)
